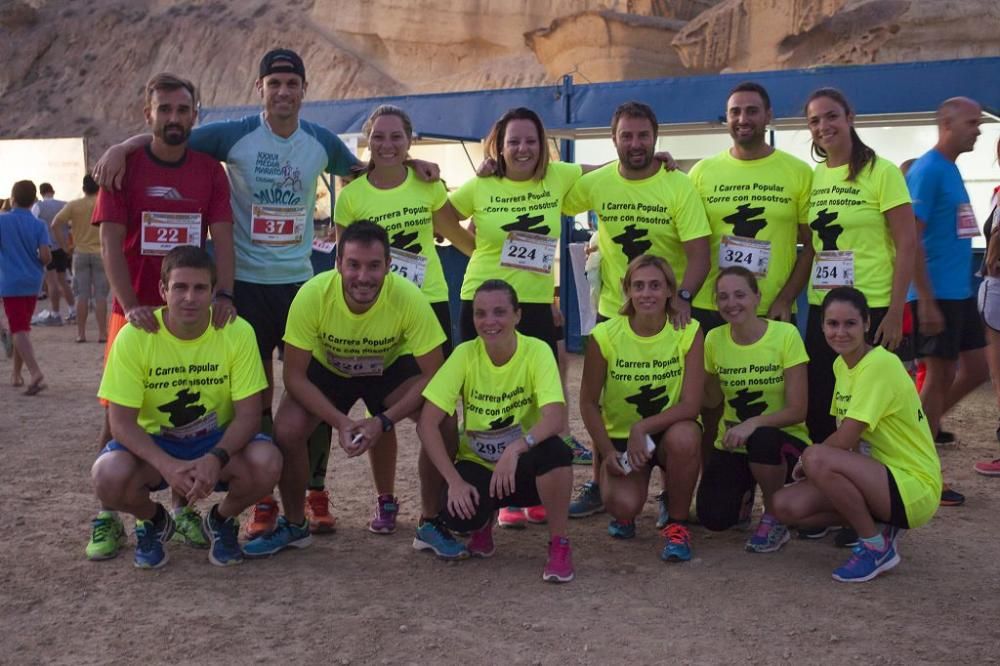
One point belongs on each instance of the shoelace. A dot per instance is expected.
(229, 534)
(764, 529)
(101, 529)
(676, 533)
(145, 536)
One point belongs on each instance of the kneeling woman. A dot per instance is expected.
(513, 408)
(639, 396)
(878, 472)
(758, 369)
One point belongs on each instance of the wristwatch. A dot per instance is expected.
(386, 422)
(685, 295)
(529, 440)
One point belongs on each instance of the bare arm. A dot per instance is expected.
(446, 223)
(59, 225)
(110, 169)
(225, 262)
(112, 236)
(697, 251)
(903, 228)
(245, 424)
(793, 412)
(305, 392)
(595, 370)
(124, 423)
(781, 309)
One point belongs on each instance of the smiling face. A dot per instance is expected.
(736, 299)
(388, 141)
(844, 328)
(282, 94)
(747, 119)
(648, 290)
(188, 295)
(830, 125)
(494, 316)
(635, 141)
(363, 267)
(521, 149)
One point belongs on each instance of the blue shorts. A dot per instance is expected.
(188, 449)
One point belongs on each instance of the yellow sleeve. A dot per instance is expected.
(464, 198)
(246, 375)
(794, 349)
(445, 387)
(805, 191)
(690, 219)
(577, 199)
(871, 399)
(302, 326)
(890, 185)
(545, 375)
(710, 342)
(123, 382)
(343, 209)
(438, 195)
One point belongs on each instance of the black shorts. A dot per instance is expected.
(265, 307)
(897, 510)
(708, 319)
(545, 456)
(963, 330)
(443, 314)
(536, 321)
(343, 392)
(60, 261)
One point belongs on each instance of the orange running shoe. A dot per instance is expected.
(512, 517)
(263, 517)
(318, 512)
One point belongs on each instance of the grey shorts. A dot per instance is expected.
(89, 276)
(989, 302)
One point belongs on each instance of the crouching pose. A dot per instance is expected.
(184, 412)
(639, 396)
(513, 408)
(878, 472)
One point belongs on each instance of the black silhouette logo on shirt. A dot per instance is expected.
(183, 409)
(745, 405)
(828, 233)
(500, 424)
(630, 241)
(745, 221)
(649, 401)
(526, 222)
(402, 240)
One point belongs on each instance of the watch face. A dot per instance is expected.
(684, 294)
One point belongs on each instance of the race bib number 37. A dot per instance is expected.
(162, 232)
(277, 225)
(529, 252)
(833, 269)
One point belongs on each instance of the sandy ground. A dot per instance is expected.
(355, 597)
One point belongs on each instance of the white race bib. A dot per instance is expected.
(833, 268)
(324, 246)
(528, 251)
(162, 232)
(753, 255)
(277, 225)
(411, 266)
(965, 222)
(490, 444)
(357, 366)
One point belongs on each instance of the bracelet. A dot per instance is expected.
(387, 423)
(223, 293)
(221, 454)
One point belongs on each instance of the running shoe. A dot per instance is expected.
(845, 537)
(662, 514)
(318, 513)
(384, 522)
(813, 533)
(769, 536)
(581, 454)
(536, 515)
(263, 517)
(434, 536)
(224, 534)
(945, 438)
(285, 535)
(71, 315)
(188, 530)
(950, 497)
(587, 501)
(559, 568)
(107, 535)
(678, 543)
(41, 317)
(53, 319)
(988, 467)
(149, 540)
(621, 529)
(7, 340)
(481, 543)
(866, 563)
(512, 518)
(892, 534)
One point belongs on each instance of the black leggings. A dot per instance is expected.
(545, 456)
(727, 484)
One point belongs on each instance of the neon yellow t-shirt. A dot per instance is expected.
(654, 215)
(765, 200)
(879, 393)
(752, 376)
(400, 322)
(183, 389)
(501, 403)
(406, 213)
(500, 207)
(850, 216)
(644, 376)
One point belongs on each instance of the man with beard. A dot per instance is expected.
(170, 196)
(358, 332)
(757, 201)
(642, 209)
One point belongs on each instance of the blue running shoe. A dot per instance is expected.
(621, 529)
(866, 563)
(581, 454)
(224, 548)
(678, 545)
(587, 501)
(149, 552)
(285, 535)
(662, 515)
(434, 536)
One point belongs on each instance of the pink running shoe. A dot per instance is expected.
(512, 517)
(559, 568)
(481, 543)
(988, 467)
(536, 515)
(384, 522)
